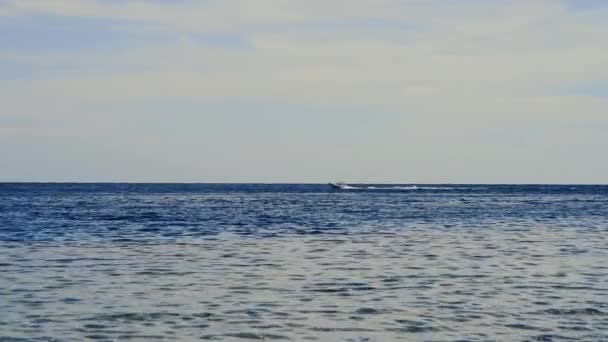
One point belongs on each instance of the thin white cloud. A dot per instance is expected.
(493, 17)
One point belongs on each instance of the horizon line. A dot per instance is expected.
(287, 183)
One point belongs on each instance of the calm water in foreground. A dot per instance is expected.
(304, 263)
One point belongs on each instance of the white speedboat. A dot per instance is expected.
(340, 186)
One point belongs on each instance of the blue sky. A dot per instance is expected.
(291, 91)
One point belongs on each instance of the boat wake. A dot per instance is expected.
(343, 186)
(411, 187)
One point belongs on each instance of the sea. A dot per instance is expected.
(303, 262)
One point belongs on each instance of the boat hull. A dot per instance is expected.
(340, 186)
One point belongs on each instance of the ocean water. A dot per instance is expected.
(239, 262)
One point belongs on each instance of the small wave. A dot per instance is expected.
(579, 311)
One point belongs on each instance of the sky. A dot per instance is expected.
(436, 91)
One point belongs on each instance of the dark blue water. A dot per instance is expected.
(303, 262)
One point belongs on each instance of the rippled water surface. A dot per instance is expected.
(303, 262)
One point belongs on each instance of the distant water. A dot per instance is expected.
(303, 262)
